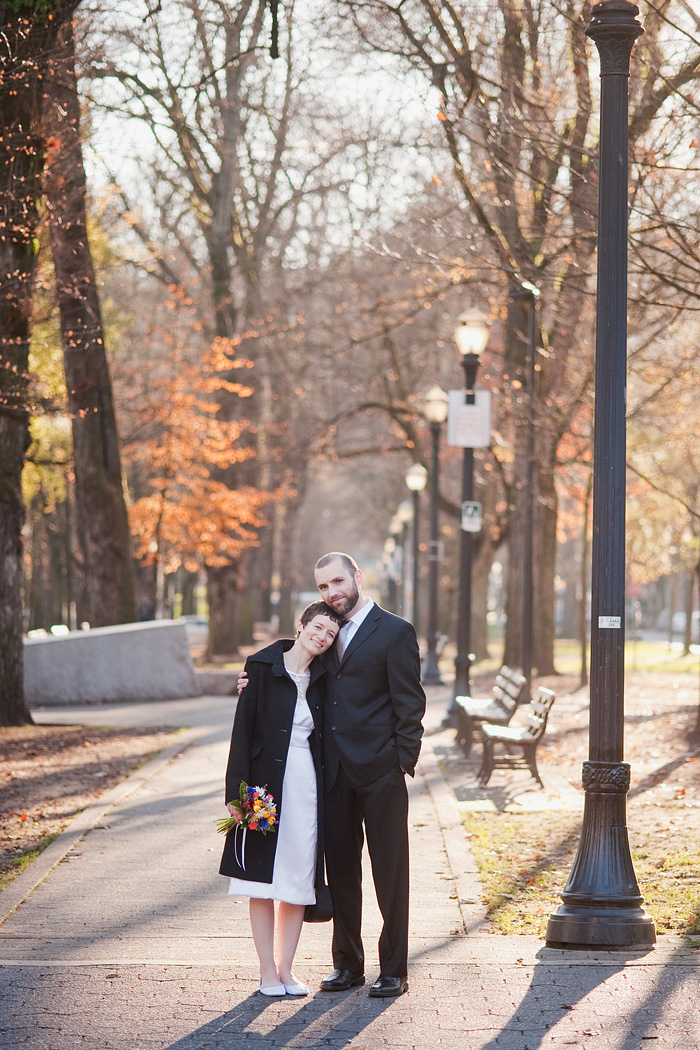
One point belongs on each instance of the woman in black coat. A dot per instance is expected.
(273, 745)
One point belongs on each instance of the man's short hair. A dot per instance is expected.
(349, 563)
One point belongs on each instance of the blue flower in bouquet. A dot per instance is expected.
(254, 810)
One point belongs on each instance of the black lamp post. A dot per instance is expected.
(435, 411)
(471, 336)
(416, 477)
(601, 900)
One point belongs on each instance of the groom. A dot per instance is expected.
(371, 738)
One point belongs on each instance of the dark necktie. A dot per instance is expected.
(341, 643)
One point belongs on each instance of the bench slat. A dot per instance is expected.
(525, 737)
(499, 708)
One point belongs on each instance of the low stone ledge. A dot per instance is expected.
(128, 662)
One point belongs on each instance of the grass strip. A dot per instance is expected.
(524, 861)
(18, 864)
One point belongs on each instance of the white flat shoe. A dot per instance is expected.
(296, 989)
(273, 990)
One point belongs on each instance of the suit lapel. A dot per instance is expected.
(366, 628)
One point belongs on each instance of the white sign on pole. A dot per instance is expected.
(471, 516)
(469, 426)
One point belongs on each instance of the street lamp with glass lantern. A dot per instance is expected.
(471, 335)
(416, 478)
(435, 412)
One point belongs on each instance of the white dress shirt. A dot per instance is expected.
(347, 633)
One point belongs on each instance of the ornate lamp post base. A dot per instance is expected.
(575, 928)
(602, 903)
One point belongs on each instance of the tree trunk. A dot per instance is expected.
(27, 38)
(545, 553)
(516, 348)
(102, 514)
(14, 435)
(695, 733)
(542, 498)
(284, 568)
(288, 573)
(230, 615)
(481, 570)
(689, 594)
(513, 643)
(235, 605)
(673, 594)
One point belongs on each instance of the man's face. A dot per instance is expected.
(339, 586)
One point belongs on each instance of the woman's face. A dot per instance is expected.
(318, 634)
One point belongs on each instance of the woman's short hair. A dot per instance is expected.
(320, 609)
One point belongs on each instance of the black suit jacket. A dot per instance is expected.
(375, 706)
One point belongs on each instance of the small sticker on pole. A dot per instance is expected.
(610, 623)
(471, 516)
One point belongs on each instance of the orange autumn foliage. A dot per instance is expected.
(190, 514)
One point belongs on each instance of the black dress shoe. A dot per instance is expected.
(384, 987)
(341, 980)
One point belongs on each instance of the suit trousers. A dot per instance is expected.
(382, 807)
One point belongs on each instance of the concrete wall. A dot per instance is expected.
(133, 661)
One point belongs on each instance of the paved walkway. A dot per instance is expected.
(121, 936)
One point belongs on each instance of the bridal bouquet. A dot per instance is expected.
(255, 811)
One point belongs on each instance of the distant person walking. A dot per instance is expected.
(273, 745)
(372, 734)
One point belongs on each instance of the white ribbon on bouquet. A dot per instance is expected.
(240, 861)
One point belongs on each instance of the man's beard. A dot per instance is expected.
(345, 604)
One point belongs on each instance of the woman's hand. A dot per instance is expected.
(242, 682)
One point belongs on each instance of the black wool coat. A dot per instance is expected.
(262, 730)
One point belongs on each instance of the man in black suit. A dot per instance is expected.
(371, 738)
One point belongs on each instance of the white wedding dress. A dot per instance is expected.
(295, 856)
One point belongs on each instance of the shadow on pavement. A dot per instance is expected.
(539, 1011)
(322, 1020)
(638, 1003)
(667, 1012)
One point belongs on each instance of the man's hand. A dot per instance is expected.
(242, 682)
